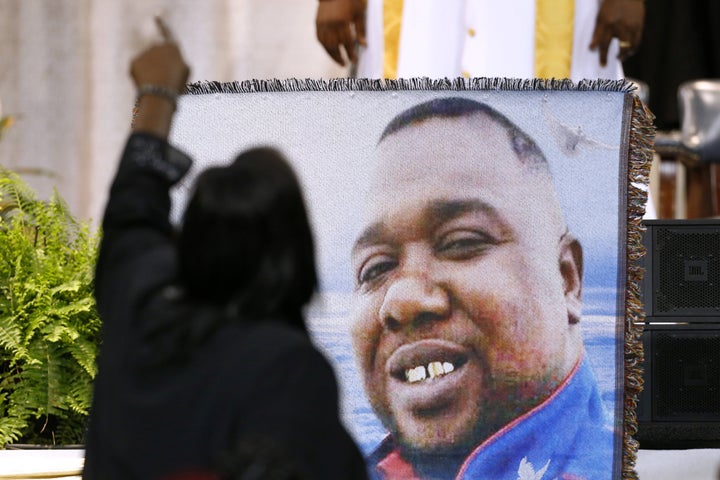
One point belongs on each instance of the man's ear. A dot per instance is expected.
(571, 269)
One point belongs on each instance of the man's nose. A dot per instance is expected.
(413, 301)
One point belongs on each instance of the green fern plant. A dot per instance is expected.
(49, 327)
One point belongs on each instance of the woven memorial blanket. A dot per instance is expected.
(477, 244)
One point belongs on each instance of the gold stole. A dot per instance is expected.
(553, 38)
(392, 18)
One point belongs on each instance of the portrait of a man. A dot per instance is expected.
(471, 249)
(468, 296)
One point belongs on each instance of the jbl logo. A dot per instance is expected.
(696, 270)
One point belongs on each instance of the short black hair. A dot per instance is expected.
(246, 239)
(527, 150)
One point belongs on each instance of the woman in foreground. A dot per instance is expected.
(206, 370)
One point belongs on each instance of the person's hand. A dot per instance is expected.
(160, 74)
(621, 19)
(340, 24)
(161, 65)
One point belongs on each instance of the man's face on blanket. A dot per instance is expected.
(467, 290)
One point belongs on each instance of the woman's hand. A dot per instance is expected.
(161, 65)
(160, 75)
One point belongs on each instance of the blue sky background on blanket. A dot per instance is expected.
(330, 137)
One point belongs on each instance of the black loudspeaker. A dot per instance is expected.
(680, 404)
(683, 269)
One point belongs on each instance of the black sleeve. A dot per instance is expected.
(136, 251)
(298, 407)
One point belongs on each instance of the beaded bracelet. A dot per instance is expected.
(158, 90)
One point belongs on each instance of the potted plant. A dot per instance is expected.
(49, 327)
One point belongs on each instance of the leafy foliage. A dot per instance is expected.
(49, 327)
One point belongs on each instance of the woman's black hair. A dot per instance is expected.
(246, 240)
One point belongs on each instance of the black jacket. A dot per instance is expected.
(245, 393)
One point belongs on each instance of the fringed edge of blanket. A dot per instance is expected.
(642, 133)
(366, 84)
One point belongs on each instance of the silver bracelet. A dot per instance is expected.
(158, 91)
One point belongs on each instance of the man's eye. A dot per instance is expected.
(463, 244)
(374, 268)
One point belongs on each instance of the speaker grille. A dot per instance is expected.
(687, 262)
(686, 376)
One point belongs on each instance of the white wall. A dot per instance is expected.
(64, 64)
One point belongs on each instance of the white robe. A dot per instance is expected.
(478, 38)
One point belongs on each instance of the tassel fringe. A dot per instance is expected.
(642, 134)
(445, 84)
